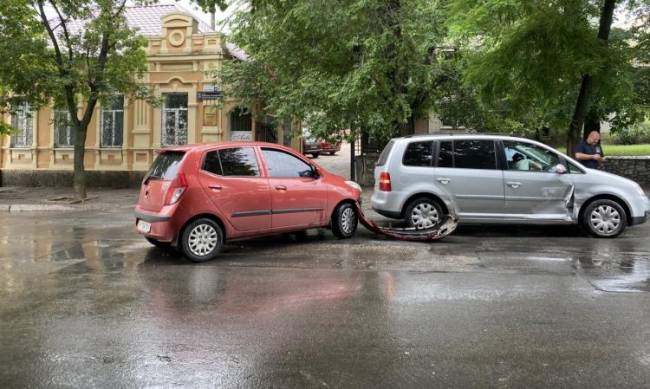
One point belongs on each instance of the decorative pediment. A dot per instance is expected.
(179, 20)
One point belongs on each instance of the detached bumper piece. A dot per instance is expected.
(409, 234)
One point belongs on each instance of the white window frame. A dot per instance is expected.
(69, 129)
(23, 120)
(179, 138)
(113, 135)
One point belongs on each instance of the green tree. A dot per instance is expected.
(369, 66)
(211, 6)
(21, 47)
(76, 53)
(555, 63)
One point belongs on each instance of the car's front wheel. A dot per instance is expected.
(202, 240)
(344, 221)
(604, 218)
(315, 155)
(422, 213)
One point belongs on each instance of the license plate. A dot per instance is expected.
(144, 226)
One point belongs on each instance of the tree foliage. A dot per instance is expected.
(23, 74)
(84, 54)
(529, 57)
(211, 5)
(359, 64)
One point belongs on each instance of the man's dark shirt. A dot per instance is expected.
(586, 148)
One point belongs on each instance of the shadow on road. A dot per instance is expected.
(508, 231)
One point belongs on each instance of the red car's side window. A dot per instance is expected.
(236, 161)
(281, 164)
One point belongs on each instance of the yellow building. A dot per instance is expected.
(123, 136)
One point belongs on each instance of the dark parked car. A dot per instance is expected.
(310, 147)
(330, 148)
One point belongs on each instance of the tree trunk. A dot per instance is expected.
(81, 131)
(579, 114)
(353, 171)
(592, 123)
(79, 178)
(583, 104)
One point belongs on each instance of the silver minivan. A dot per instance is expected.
(500, 179)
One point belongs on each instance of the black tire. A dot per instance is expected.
(604, 218)
(159, 244)
(332, 152)
(345, 221)
(427, 209)
(300, 236)
(204, 230)
(315, 155)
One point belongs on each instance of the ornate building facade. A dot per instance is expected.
(124, 135)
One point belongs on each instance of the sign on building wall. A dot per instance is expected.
(241, 135)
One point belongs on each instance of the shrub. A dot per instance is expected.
(636, 134)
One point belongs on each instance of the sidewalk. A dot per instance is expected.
(27, 199)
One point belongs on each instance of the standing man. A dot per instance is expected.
(589, 152)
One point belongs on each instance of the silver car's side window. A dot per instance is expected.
(522, 156)
(474, 154)
(445, 154)
(467, 154)
(418, 154)
(573, 169)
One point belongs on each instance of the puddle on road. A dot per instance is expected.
(624, 272)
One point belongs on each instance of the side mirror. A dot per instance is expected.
(560, 169)
(314, 171)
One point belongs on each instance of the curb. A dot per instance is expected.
(13, 208)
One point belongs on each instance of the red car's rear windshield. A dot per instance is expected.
(166, 165)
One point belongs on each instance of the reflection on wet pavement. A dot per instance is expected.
(86, 302)
(626, 272)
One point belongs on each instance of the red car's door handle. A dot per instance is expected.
(280, 187)
(215, 187)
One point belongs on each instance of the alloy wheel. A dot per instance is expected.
(203, 239)
(347, 220)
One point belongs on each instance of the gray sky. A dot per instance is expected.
(222, 17)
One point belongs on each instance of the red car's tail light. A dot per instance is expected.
(176, 189)
(384, 182)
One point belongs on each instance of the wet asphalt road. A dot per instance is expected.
(86, 302)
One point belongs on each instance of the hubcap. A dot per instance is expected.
(347, 220)
(605, 219)
(424, 215)
(203, 239)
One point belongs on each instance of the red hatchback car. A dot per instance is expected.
(197, 197)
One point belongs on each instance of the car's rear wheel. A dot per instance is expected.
(423, 212)
(315, 155)
(604, 218)
(332, 152)
(345, 221)
(202, 240)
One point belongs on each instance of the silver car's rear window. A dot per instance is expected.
(383, 157)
